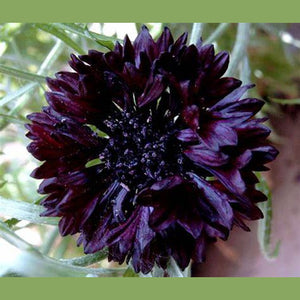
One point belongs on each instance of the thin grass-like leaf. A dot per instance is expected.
(21, 74)
(11, 237)
(86, 260)
(239, 49)
(286, 101)
(101, 39)
(11, 119)
(24, 211)
(62, 247)
(34, 264)
(18, 93)
(265, 224)
(49, 241)
(60, 34)
(47, 63)
(196, 33)
(105, 43)
(217, 33)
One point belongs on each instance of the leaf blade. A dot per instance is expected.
(265, 224)
(60, 34)
(286, 101)
(101, 39)
(18, 93)
(25, 211)
(21, 74)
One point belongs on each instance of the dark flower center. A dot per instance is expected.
(139, 153)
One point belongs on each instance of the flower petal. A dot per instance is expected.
(217, 199)
(220, 64)
(153, 90)
(202, 155)
(216, 134)
(232, 97)
(187, 135)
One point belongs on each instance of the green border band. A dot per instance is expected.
(149, 288)
(150, 11)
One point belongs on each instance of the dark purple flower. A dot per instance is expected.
(149, 151)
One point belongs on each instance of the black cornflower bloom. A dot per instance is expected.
(149, 151)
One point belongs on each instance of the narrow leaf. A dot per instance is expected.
(196, 33)
(21, 74)
(103, 42)
(286, 101)
(10, 236)
(265, 224)
(24, 211)
(101, 39)
(217, 33)
(18, 93)
(49, 241)
(86, 260)
(239, 49)
(34, 264)
(60, 34)
(45, 66)
(13, 120)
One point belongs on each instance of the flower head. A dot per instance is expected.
(149, 151)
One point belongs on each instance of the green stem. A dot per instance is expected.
(13, 239)
(196, 33)
(17, 52)
(18, 93)
(45, 66)
(62, 247)
(49, 241)
(217, 33)
(47, 63)
(12, 119)
(265, 224)
(19, 187)
(239, 49)
(86, 260)
(245, 73)
(51, 57)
